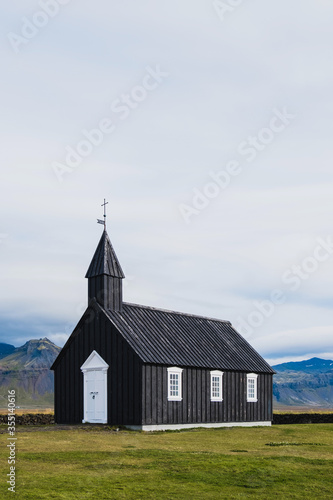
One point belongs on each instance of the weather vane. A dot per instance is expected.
(100, 221)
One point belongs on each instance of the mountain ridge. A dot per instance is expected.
(307, 383)
(6, 349)
(312, 365)
(27, 370)
(33, 354)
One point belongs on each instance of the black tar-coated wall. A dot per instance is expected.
(137, 393)
(94, 332)
(196, 405)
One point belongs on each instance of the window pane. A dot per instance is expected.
(174, 384)
(216, 386)
(251, 393)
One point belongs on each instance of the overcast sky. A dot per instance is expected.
(208, 128)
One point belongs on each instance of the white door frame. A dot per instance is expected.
(95, 362)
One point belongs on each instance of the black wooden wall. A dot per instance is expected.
(95, 332)
(137, 393)
(107, 290)
(196, 406)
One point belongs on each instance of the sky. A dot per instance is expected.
(207, 127)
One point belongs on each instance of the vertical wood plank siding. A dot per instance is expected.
(107, 290)
(137, 392)
(196, 406)
(124, 374)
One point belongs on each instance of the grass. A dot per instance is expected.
(287, 461)
(297, 409)
(24, 411)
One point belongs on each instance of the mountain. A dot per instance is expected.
(6, 349)
(33, 354)
(313, 365)
(27, 370)
(307, 383)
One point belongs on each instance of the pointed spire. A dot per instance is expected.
(105, 276)
(105, 260)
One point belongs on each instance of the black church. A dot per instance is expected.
(154, 369)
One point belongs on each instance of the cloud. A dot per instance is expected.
(297, 344)
(225, 80)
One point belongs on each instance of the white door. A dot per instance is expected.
(95, 396)
(94, 389)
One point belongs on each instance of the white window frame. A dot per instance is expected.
(219, 375)
(253, 377)
(174, 370)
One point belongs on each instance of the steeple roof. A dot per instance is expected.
(105, 260)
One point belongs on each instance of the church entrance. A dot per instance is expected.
(94, 389)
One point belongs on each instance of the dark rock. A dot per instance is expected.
(302, 418)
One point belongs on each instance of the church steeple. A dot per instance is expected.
(105, 276)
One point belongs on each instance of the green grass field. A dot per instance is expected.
(284, 462)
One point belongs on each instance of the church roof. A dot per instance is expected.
(171, 338)
(105, 260)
